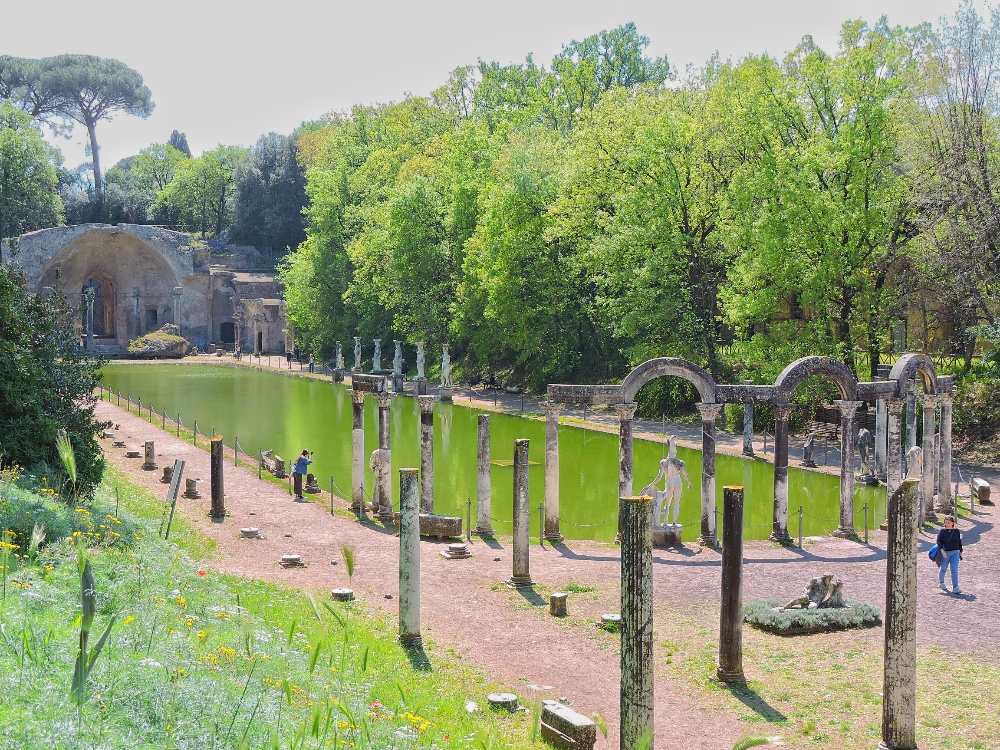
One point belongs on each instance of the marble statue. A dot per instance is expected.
(807, 451)
(821, 592)
(420, 360)
(866, 450)
(914, 463)
(671, 471)
(377, 357)
(397, 360)
(357, 354)
(339, 358)
(445, 367)
(375, 462)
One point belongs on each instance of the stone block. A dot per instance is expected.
(668, 536)
(562, 727)
(312, 486)
(557, 604)
(191, 489)
(456, 551)
(342, 595)
(445, 394)
(168, 474)
(291, 561)
(982, 490)
(132, 454)
(440, 526)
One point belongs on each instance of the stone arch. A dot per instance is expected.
(806, 367)
(908, 366)
(670, 366)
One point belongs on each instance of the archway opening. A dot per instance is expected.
(227, 333)
(104, 306)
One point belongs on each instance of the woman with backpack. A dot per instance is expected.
(949, 542)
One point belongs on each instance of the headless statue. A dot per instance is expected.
(807, 451)
(671, 471)
(914, 462)
(375, 462)
(866, 445)
(821, 592)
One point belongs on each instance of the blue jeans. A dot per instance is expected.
(950, 558)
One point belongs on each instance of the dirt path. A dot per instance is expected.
(513, 639)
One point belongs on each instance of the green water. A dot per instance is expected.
(288, 414)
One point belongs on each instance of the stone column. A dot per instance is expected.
(484, 525)
(384, 401)
(522, 510)
(927, 475)
(551, 411)
(426, 453)
(358, 450)
(218, 492)
(237, 319)
(880, 438)
(409, 558)
(636, 697)
(709, 413)
(137, 296)
(779, 532)
(911, 414)
(894, 448)
(626, 412)
(748, 423)
(848, 411)
(947, 401)
(178, 291)
(88, 314)
(899, 705)
(730, 666)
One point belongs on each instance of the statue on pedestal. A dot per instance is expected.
(420, 360)
(397, 360)
(339, 357)
(671, 471)
(377, 357)
(357, 354)
(866, 450)
(445, 367)
(914, 463)
(807, 451)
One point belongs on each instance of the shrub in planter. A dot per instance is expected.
(763, 615)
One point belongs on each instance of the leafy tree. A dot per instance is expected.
(179, 141)
(46, 384)
(201, 190)
(270, 195)
(28, 178)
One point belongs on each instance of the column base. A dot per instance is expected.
(730, 677)
(930, 515)
(809, 464)
(844, 532)
(708, 540)
(941, 504)
(487, 531)
(749, 453)
(520, 582)
(554, 536)
(667, 536)
(386, 515)
(780, 536)
(445, 394)
(411, 640)
(883, 746)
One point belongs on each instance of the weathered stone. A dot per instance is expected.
(342, 595)
(168, 473)
(440, 526)
(132, 454)
(250, 532)
(981, 489)
(564, 728)
(557, 604)
(668, 536)
(521, 576)
(505, 701)
(166, 343)
(312, 486)
(291, 561)
(409, 557)
(636, 694)
(191, 489)
(457, 551)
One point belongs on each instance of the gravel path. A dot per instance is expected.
(515, 641)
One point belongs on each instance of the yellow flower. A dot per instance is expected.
(129, 620)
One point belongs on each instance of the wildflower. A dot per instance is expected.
(201, 572)
(129, 620)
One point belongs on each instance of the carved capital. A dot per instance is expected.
(709, 412)
(930, 402)
(426, 404)
(384, 400)
(626, 412)
(946, 400)
(895, 406)
(782, 412)
(551, 409)
(848, 408)
(357, 397)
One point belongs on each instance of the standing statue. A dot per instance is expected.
(671, 471)
(420, 360)
(377, 357)
(339, 357)
(375, 463)
(914, 463)
(866, 450)
(445, 367)
(397, 360)
(357, 354)
(807, 451)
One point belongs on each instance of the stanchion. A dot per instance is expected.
(178, 424)
(163, 422)
(800, 527)
(866, 523)
(541, 525)
(213, 432)
(119, 397)
(468, 519)
(194, 438)
(236, 451)
(331, 494)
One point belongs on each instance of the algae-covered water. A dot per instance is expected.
(288, 414)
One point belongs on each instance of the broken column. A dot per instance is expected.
(636, 698)
(149, 460)
(848, 410)
(899, 708)
(218, 492)
(384, 401)
(927, 475)
(730, 666)
(484, 526)
(894, 448)
(626, 412)
(409, 558)
(709, 413)
(426, 453)
(358, 451)
(551, 411)
(779, 531)
(521, 576)
(178, 291)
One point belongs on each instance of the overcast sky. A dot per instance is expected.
(227, 72)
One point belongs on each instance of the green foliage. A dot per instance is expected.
(977, 408)
(761, 614)
(28, 179)
(46, 383)
(201, 191)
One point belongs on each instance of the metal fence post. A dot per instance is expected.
(800, 527)
(866, 523)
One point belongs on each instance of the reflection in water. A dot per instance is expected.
(269, 410)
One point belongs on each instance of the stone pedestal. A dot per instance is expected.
(636, 697)
(445, 394)
(397, 383)
(668, 535)
(557, 604)
(409, 557)
(779, 531)
(730, 666)
(551, 411)
(149, 461)
(191, 489)
(521, 576)
(338, 376)
(168, 474)
(312, 486)
(484, 526)
(420, 384)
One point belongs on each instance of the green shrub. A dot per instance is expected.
(977, 408)
(761, 614)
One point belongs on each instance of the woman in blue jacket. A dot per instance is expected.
(299, 470)
(949, 540)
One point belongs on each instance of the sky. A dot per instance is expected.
(227, 72)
